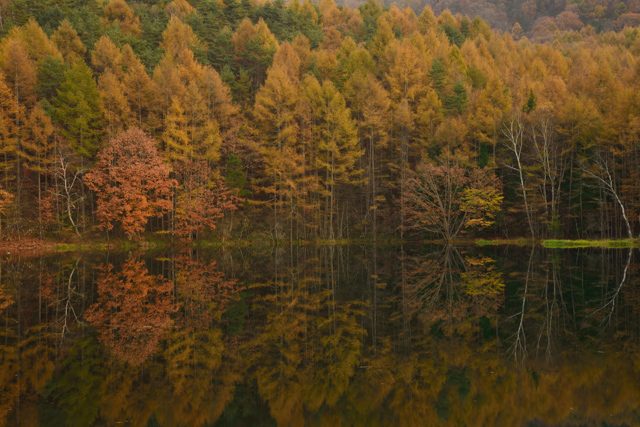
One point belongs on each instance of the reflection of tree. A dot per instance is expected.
(482, 278)
(75, 391)
(551, 302)
(200, 370)
(26, 365)
(519, 346)
(450, 290)
(304, 353)
(63, 296)
(201, 375)
(132, 312)
(307, 352)
(203, 291)
(131, 394)
(609, 307)
(453, 382)
(6, 299)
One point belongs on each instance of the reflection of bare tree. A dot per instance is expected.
(551, 307)
(429, 281)
(67, 301)
(452, 288)
(132, 312)
(612, 298)
(60, 290)
(519, 346)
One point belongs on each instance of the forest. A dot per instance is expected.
(293, 122)
(540, 18)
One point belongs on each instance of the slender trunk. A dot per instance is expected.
(524, 196)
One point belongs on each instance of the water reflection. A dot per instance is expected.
(322, 336)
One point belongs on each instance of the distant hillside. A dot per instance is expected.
(539, 18)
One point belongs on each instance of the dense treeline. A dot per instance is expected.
(304, 122)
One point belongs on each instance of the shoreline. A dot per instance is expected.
(38, 247)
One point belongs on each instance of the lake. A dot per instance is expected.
(322, 336)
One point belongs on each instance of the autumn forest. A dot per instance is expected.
(306, 122)
(319, 213)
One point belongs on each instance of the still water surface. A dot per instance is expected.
(322, 336)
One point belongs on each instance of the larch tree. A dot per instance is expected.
(179, 37)
(78, 111)
(38, 43)
(131, 182)
(204, 131)
(179, 8)
(175, 137)
(275, 111)
(254, 46)
(106, 56)
(371, 105)
(19, 70)
(38, 151)
(140, 90)
(115, 105)
(338, 150)
(406, 82)
(68, 42)
(120, 14)
(221, 109)
(6, 199)
(11, 122)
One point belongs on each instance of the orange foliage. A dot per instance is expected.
(131, 182)
(201, 201)
(133, 311)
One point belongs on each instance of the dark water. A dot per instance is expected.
(322, 336)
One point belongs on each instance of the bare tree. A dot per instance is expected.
(444, 199)
(553, 164)
(513, 131)
(601, 172)
(68, 180)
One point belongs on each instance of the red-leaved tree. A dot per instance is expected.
(131, 182)
(202, 199)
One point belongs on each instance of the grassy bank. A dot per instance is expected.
(606, 243)
(504, 242)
